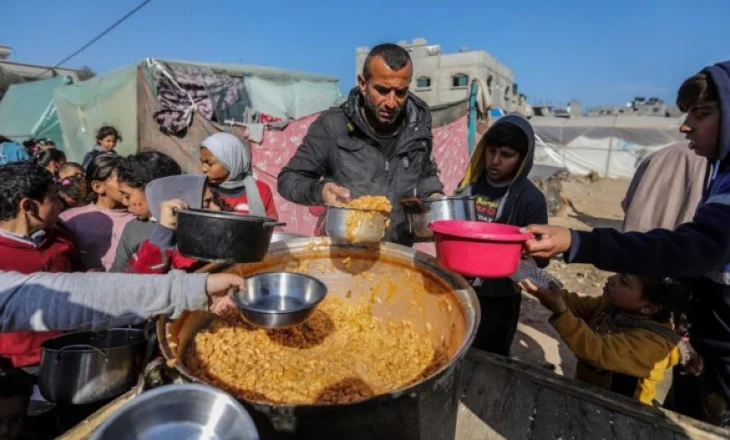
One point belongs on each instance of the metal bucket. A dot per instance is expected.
(426, 409)
(445, 208)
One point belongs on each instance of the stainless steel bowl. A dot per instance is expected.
(445, 208)
(187, 411)
(284, 236)
(279, 299)
(367, 232)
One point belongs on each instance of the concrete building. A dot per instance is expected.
(440, 78)
(32, 72)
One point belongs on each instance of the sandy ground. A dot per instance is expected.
(592, 205)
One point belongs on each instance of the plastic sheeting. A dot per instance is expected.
(126, 99)
(27, 110)
(613, 146)
(109, 99)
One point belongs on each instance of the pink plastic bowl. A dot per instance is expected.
(478, 249)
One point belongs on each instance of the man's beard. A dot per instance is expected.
(371, 110)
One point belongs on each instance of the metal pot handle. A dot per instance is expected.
(86, 346)
(274, 224)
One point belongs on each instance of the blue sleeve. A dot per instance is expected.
(692, 249)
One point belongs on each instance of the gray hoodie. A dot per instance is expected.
(94, 301)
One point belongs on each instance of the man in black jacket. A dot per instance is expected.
(378, 142)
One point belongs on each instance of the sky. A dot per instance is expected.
(597, 51)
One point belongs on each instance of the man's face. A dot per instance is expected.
(501, 163)
(135, 201)
(702, 128)
(386, 91)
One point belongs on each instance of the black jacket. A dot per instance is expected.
(523, 203)
(340, 148)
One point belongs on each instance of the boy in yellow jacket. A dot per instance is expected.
(625, 339)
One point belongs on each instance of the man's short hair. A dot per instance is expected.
(696, 90)
(396, 57)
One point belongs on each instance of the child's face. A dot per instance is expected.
(135, 201)
(109, 188)
(624, 292)
(12, 415)
(702, 128)
(209, 203)
(108, 142)
(501, 163)
(212, 168)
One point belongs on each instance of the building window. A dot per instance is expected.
(460, 80)
(423, 82)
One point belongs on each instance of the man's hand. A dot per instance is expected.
(549, 241)
(437, 195)
(168, 212)
(551, 298)
(333, 194)
(217, 286)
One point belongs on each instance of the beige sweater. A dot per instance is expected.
(665, 190)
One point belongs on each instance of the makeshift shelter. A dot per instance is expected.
(28, 111)
(171, 106)
(613, 146)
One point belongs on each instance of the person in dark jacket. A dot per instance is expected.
(497, 176)
(699, 251)
(378, 142)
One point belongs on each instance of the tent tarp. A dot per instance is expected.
(27, 110)
(127, 99)
(108, 99)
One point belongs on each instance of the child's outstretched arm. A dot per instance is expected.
(557, 300)
(154, 256)
(634, 353)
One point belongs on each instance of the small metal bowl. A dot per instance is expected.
(370, 232)
(279, 299)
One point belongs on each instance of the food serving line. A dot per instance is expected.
(338, 337)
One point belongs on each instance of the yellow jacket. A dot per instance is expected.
(615, 352)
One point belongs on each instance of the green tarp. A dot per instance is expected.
(27, 110)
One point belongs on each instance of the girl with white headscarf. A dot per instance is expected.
(226, 161)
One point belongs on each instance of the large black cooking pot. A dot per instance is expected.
(424, 410)
(223, 237)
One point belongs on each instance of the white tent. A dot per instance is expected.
(613, 146)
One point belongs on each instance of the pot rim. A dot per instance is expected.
(344, 208)
(227, 215)
(449, 199)
(462, 290)
(61, 350)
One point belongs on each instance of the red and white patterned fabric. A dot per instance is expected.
(450, 150)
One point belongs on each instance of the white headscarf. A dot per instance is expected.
(235, 156)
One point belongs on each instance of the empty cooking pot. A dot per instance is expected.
(421, 212)
(223, 237)
(86, 367)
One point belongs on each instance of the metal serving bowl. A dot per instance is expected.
(279, 299)
(367, 232)
(187, 411)
(420, 214)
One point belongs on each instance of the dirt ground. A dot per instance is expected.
(593, 204)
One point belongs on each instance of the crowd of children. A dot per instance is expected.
(58, 216)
